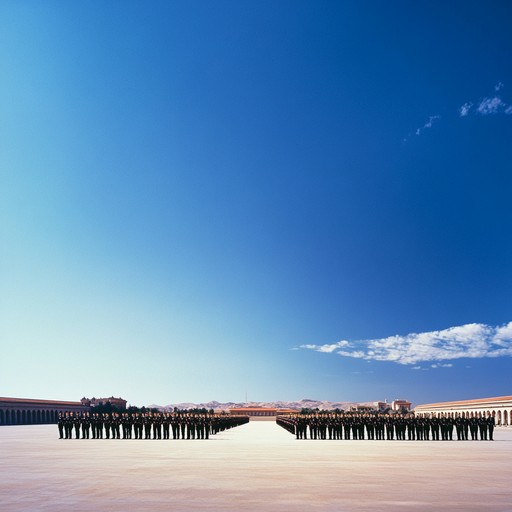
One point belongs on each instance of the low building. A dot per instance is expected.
(120, 403)
(260, 411)
(500, 407)
(28, 411)
(380, 406)
(400, 405)
(363, 408)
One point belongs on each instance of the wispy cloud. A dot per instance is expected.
(465, 341)
(464, 110)
(488, 105)
(428, 124)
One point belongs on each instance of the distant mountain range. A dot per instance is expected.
(306, 403)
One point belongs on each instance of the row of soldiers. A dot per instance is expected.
(381, 426)
(148, 425)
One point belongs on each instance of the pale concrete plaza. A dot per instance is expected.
(255, 467)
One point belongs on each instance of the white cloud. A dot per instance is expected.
(464, 110)
(487, 106)
(430, 121)
(428, 124)
(490, 106)
(464, 341)
(327, 348)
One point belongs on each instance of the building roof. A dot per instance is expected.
(272, 410)
(476, 401)
(251, 409)
(37, 401)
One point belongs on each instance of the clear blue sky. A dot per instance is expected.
(200, 200)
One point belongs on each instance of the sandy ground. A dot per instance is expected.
(255, 467)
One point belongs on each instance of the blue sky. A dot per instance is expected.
(291, 200)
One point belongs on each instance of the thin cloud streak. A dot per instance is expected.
(428, 124)
(465, 341)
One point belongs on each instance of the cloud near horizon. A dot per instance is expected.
(464, 341)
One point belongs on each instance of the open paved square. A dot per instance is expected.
(255, 467)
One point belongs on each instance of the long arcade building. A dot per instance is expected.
(499, 407)
(26, 411)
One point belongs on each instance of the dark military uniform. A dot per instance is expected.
(60, 425)
(86, 425)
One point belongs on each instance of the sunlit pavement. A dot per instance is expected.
(258, 466)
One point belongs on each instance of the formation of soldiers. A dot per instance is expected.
(148, 425)
(379, 426)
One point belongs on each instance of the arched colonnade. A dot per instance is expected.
(23, 411)
(499, 407)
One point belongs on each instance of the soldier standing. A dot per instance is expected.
(207, 426)
(129, 425)
(426, 428)
(138, 423)
(147, 425)
(449, 425)
(175, 425)
(68, 426)
(390, 428)
(465, 428)
(419, 428)
(411, 427)
(99, 424)
(106, 424)
(76, 424)
(490, 426)
(459, 427)
(482, 423)
(60, 425)
(94, 426)
(117, 425)
(434, 427)
(86, 425)
(183, 426)
(157, 426)
(473, 427)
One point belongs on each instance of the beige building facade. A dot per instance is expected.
(499, 407)
(260, 411)
(27, 411)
